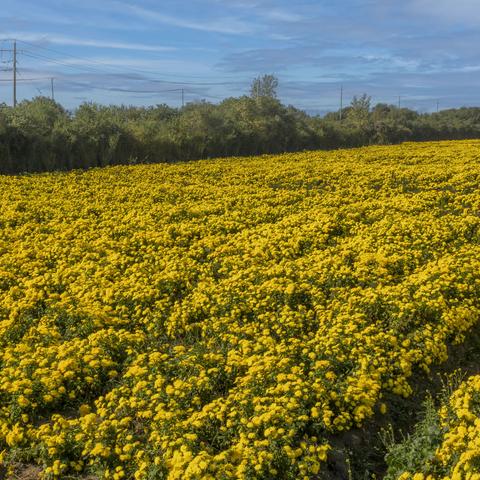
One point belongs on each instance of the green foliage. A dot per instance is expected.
(265, 86)
(360, 109)
(39, 135)
(415, 452)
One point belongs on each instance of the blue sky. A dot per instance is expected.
(144, 52)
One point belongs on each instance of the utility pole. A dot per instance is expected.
(438, 103)
(399, 101)
(14, 53)
(183, 97)
(341, 102)
(14, 73)
(51, 84)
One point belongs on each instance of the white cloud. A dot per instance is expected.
(469, 68)
(85, 42)
(280, 37)
(131, 66)
(34, 13)
(222, 25)
(456, 11)
(283, 16)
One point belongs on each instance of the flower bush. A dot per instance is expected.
(223, 319)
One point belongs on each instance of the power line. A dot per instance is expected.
(144, 93)
(121, 90)
(94, 70)
(122, 68)
(66, 54)
(9, 80)
(38, 56)
(91, 68)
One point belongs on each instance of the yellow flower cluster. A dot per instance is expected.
(459, 452)
(223, 319)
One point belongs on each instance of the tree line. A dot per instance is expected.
(40, 135)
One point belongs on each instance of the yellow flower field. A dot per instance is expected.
(223, 319)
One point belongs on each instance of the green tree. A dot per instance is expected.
(360, 108)
(265, 86)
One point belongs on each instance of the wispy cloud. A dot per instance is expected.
(55, 15)
(414, 48)
(145, 68)
(458, 11)
(225, 25)
(43, 38)
(278, 15)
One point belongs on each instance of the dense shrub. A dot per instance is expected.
(40, 135)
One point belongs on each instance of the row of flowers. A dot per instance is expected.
(223, 319)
